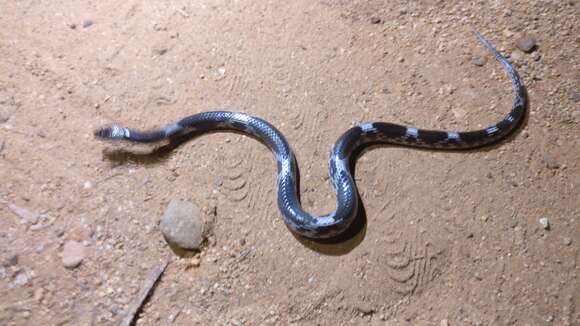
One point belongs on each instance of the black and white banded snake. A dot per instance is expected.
(336, 222)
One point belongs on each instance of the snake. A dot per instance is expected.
(342, 153)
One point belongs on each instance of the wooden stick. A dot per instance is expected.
(149, 284)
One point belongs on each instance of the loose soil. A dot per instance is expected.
(448, 238)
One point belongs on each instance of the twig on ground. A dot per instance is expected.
(146, 289)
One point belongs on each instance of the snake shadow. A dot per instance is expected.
(345, 242)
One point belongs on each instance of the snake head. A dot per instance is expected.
(112, 132)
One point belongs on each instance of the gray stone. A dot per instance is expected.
(526, 43)
(182, 225)
(73, 254)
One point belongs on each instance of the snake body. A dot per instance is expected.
(340, 219)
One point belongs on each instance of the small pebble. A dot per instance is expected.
(21, 278)
(567, 241)
(73, 254)
(526, 43)
(195, 262)
(574, 96)
(365, 308)
(478, 60)
(87, 23)
(39, 248)
(458, 112)
(12, 260)
(182, 225)
(38, 294)
(545, 223)
(376, 20)
(218, 182)
(444, 322)
(550, 162)
(25, 214)
(516, 56)
(159, 51)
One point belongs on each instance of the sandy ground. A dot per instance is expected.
(450, 238)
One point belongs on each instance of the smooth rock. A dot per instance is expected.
(545, 223)
(73, 254)
(526, 43)
(182, 225)
(567, 241)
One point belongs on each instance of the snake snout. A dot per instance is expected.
(103, 133)
(106, 132)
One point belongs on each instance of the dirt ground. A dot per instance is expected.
(450, 238)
